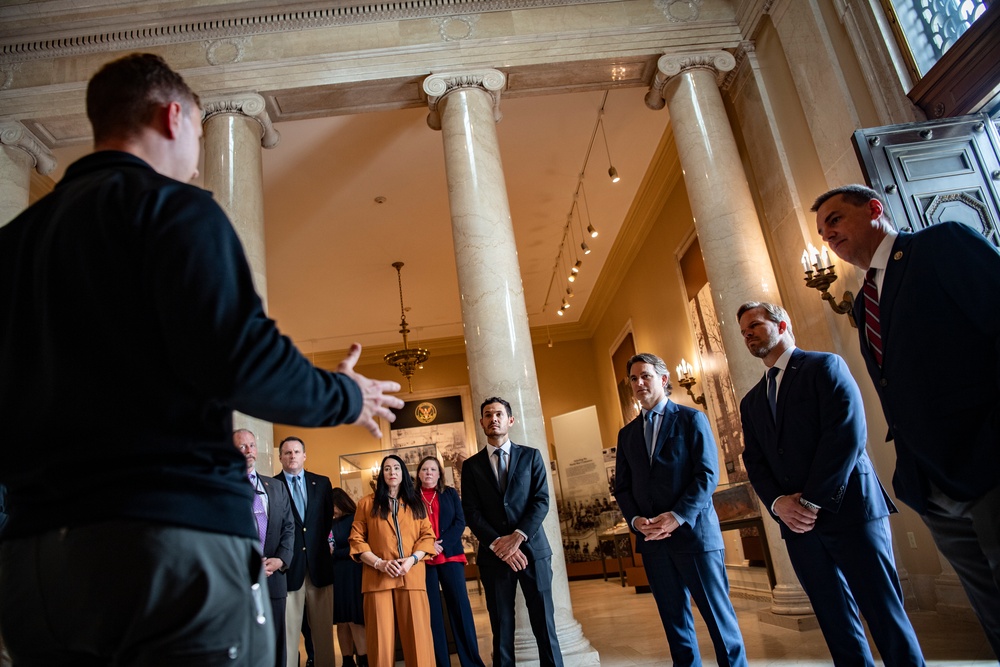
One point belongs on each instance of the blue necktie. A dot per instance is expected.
(647, 432)
(772, 391)
(298, 496)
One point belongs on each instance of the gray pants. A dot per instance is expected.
(969, 537)
(130, 593)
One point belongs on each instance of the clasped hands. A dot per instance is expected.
(657, 528)
(795, 515)
(508, 549)
(397, 567)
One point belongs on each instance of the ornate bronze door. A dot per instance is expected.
(936, 171)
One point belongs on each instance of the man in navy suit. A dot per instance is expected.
(666, 472)
(929, 292)
(278, 535)
(804, 431)
(310, 574)
(505, 497)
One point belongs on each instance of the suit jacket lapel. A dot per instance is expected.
(515, 456)
(762, 410)
(667, 423)
(788, 380)
(893, 278)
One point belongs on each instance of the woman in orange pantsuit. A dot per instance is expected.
(391, 535)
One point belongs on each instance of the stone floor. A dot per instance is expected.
(624, 628)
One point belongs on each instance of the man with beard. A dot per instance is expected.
(804, 432)
(505, 497)
(272, 511)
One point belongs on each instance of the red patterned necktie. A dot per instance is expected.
(873, 330)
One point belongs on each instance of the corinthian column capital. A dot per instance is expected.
(437, 85)
(13, 133)
(670, 65)
(250, 105)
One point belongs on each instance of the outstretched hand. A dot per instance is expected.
(375, 394)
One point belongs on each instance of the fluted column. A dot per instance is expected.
(466, 106)
(732, 243)
(19, 152)
(236, 127)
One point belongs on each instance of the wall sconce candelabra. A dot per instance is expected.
(686, 379)
(820, 274)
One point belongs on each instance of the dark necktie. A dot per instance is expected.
(873, 330)
(501, 469)
(647, 431)
(772, 391)
(259, 513)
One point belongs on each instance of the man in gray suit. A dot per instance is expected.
(273, 517)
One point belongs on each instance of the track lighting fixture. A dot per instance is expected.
(612, 172)
(585, 248)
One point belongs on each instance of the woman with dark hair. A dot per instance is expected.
(391, 535)
(447, 568)
(348, 611)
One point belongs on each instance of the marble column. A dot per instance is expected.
(236, 127)
(732, 243)
(19, 152)
(465, 105)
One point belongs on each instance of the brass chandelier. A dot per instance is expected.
(409, 359)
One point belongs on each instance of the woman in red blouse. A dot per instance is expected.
(447, 568)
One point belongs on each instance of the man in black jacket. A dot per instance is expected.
(131, 332)
(310, 573)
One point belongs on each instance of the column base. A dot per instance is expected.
(790, 600)
(576, 648)
(797, 622)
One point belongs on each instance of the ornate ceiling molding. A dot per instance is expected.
(745, 48)
(213, 28)
(13, 134)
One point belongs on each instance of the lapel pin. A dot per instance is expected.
(898, 255)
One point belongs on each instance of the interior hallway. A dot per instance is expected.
(624, 627)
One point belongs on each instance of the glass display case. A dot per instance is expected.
(359, 471)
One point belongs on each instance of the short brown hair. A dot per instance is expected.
(122, 98)
(855, 194)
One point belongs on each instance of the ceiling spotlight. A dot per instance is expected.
(572, 278)
(576, 267)
(585, 248)
(592, 231)
(559, 312)
(565, 304)
(569, 292)
(612, 172)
